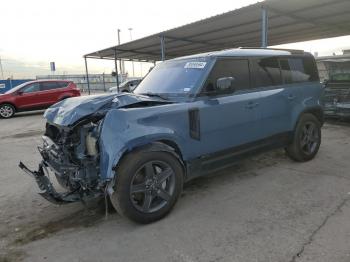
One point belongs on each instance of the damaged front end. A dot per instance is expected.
(74, 148)
(72, 155)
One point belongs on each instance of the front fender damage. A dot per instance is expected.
(82, 153)
(131, 134)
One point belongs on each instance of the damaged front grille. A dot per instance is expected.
(72, 155)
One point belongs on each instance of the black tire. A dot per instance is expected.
(306, 139)
(7, 110)
(136, 166)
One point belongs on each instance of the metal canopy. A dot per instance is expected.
(269, 22)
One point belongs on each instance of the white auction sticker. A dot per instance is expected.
(197, 65)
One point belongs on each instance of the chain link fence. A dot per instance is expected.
(98, 82)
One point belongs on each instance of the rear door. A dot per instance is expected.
(276, 99)
(51, 91)
(280, 97)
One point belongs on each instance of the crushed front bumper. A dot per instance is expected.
(47, 190)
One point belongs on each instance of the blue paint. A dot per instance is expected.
(226, 121)
(9, 84)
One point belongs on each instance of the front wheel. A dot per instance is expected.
(147, 185)
(7, 111)
(306, 139)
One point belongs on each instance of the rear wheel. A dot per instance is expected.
(306, 140)
(147, 185)
(7, 110)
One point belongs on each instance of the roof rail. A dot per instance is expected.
(293, 51)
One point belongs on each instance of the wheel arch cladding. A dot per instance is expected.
(157, 146)
(316, 111)
(121, 134)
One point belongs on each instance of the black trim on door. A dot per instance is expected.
(220, 160)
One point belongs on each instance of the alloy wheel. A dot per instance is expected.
(310, 138)
(152, 186)
(6, 111)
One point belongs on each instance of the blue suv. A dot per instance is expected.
(190, 116)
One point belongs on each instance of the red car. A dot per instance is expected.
(35, 95)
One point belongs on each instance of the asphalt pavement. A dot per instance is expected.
(267, 208)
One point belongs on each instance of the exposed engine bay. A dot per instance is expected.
(72, 155)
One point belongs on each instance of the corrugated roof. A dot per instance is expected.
(289, 21)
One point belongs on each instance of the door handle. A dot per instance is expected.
(291, 97)
(251, 105)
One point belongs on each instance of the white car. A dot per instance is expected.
(127, 86)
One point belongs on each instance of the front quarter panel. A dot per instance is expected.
(125, 129)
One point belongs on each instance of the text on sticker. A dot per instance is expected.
(198, 65)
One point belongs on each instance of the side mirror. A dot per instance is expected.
(225, 83)
(19, 92)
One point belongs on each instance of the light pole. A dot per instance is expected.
(121, 63)
(133, 69)
(1, 69)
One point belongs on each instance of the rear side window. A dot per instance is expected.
(298, 70)
(52, 85)
(267, 72)
(236, 68)
(62, 84)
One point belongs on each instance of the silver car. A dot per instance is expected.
(127, 86)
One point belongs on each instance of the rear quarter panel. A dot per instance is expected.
(311, 98)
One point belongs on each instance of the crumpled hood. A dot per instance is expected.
(69, 111)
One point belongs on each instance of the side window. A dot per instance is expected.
(35, 87)
(311, 69)
(297, 70)
(267, 72)
(236, 68)
(49, 85)
(62, 84)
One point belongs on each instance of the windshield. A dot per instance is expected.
(16, 88)
(175, 77)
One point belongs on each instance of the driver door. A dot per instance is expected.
(28, 97)
(229, 119)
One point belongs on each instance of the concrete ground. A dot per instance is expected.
(267, 208)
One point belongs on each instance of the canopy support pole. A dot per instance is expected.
(264, 26)
(116, 69)
(87, 74)
(162, 47)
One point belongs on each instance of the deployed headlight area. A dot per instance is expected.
(89, 134)
(91, 144)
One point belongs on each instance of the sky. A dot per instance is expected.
(35, 32)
